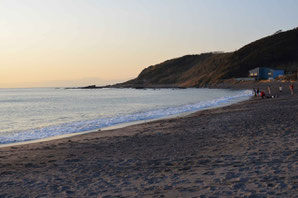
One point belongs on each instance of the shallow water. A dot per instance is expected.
(30, 114)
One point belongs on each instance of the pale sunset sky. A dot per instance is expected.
(81, 42)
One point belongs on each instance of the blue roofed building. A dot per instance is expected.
(264, 73)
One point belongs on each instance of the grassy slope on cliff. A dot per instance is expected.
(275, 51)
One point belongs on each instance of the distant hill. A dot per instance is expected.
(276, 51)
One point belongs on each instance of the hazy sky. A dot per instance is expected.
(52, 42)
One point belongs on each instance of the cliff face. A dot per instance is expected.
(276, 51)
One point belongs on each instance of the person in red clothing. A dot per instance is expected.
(292, 89)
(262, 94)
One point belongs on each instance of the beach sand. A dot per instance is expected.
(248, 149)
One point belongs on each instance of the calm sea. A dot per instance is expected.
(37, 113)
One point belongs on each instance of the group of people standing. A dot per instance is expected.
(262, 94)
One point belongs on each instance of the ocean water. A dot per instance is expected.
(37, 113)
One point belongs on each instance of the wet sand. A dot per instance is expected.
(249, 149)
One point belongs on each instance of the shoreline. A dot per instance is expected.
(121, 125)
(114, 127)
(228, 84)
(244, 149)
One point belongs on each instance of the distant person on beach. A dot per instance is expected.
(292, 89)
(262, 94)
(280, 88)
(255, 92)
(269, 90)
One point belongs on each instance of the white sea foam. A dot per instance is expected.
(80, 126)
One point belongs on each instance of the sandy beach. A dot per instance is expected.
(248, 149)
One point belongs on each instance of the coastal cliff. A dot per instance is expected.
(279, 51)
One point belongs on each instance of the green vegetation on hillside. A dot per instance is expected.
(278, 51)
